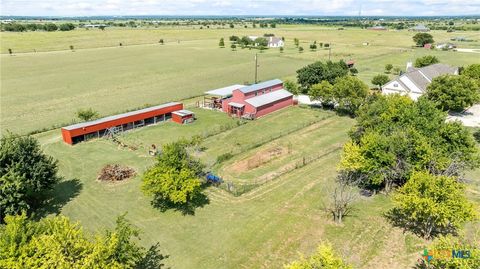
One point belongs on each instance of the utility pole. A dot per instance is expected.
(256, 68)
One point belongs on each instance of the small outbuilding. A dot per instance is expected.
(183, 116)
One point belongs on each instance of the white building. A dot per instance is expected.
(415, 81)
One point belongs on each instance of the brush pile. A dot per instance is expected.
(115, 172)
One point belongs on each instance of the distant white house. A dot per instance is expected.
(445, 46)
(420, 28)
(275, 42)
(414, 81)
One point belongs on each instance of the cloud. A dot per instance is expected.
(240, 7)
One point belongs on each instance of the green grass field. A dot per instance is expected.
(263, 228)
(45, 89)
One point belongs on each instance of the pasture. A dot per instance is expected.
(282, 212)
(263, 228)
(44, 90)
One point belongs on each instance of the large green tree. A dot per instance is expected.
(26, 174)
(323, 92)
(421, 39)
(472, 71)
(395, 136)
(453, 93)
(349, 93)
(174, 180)
(430, 205)
(59, 243)
(319, 71)
(380, 80)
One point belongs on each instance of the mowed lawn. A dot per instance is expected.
(45, 89)
(263, 228)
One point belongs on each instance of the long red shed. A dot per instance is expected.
(122, 122)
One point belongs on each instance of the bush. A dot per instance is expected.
(224, 157)
(324, 258)
(66, 27)
(476, 134)
(87, 114)
(425, 61)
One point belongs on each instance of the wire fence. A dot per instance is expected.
(240, 188)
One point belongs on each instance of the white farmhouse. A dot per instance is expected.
(414, 82)
(275, 42)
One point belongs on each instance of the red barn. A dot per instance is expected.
(256, 100)
(118, 123)
(183, 116)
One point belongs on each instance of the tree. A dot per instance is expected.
(353, 71)
(66, 27)
(430, 205)
(388, 68)
(421, 39)
(296, 42)
(174, 180)
(50, 27)
(397, 70)
(281, 49)
(26, 174)
(10, 51)
(300, 49)
(342, 197)
(349, 93)
(313, 47)
(323, 92)
(476, 135)
(87, 114)
(453, 93)
(102, 27)
(324, 258)
(221, 44)
(233, 46)
(380, 80)
(425, 61)
(234, 38)
(261, 42)
(291, 86)
(472, 71)
(57, 242)
(231, 25)
(395, 136)
(71, 47)
(161, 41)
(320, 71)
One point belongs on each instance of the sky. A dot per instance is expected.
(240, 7)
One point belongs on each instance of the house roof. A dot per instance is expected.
(119, 116)
(261, 85)
(421, 77)
(183, 112)
(420, 27)
(268, 98)
(225, 91)
(274, 40)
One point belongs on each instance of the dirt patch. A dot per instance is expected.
(260, 158)
(115, 172)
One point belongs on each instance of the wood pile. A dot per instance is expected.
(115, 172)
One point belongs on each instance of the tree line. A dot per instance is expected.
(48, 27)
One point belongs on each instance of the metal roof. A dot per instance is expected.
(261, 85)
(182, 112)
(236, 104)
(119, 116)
(268, 98)
(225, 91)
